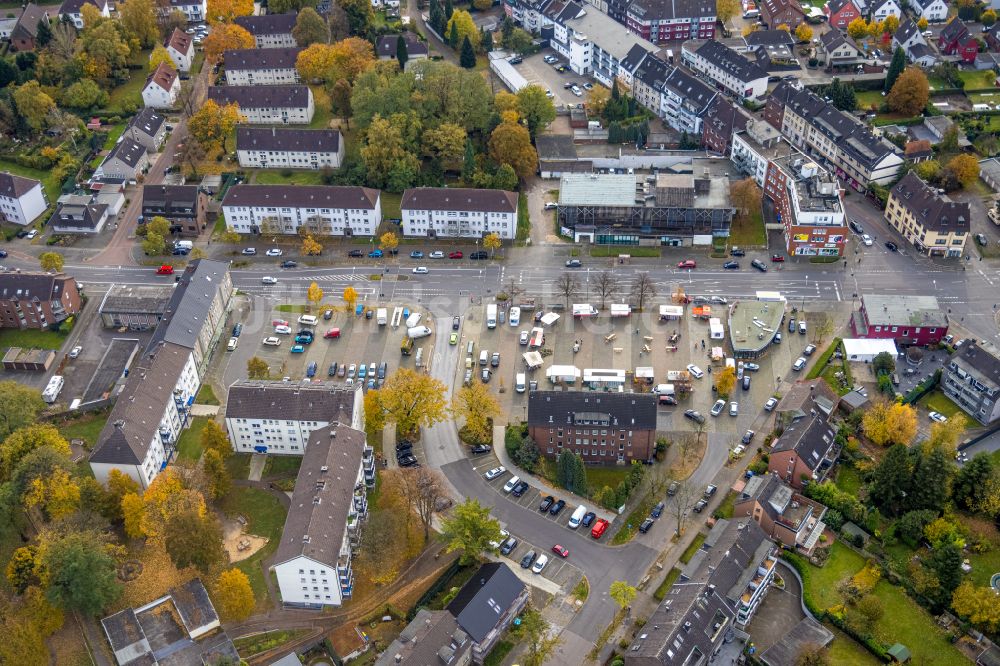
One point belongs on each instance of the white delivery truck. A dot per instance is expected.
(183, 245)
(519, 382)
(53, 388)
(491, 315)
(417, 332)
(574, 520)
(382, 315)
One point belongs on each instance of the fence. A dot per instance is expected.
(922, 389)
(435, 589)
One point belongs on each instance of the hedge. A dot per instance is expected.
(923, 388)
(823, 359)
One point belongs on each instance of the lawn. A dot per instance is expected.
(598, 477)
(523, 218)
(498, 653)
(936, 401)
(667, 583)
(391, 204)
(693, 548)
(822, 582)
(189, 443)
(293, 177)
(937, 83)
(130, 91)
(977, 80)
(631, 523)
(87, 428)
(748, 232)
(238, 465)
(48, 182)
(206, 396)
(868, 98)
(114, 133)
(322, 115)
(268, 640)
(281, 465)
(30, 339)
(265, 517)
(848, 479)
(631, 250)
(845, 650)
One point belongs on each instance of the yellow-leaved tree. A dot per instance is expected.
(412, 400)
(492, 242)
(57, 495)
(212, 124)
(314, 295)
(158, 56)
(725, 380)
(350, 296)
(24, 440)
(167, 496)
(887, 423)
(226, 37)
(224, 11)
(803, 33)
(978, 604)
(310, 246)
(233, 595)
(857, 28)
(388, 242)
(478, 407)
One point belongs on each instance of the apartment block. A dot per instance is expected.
(727, 68)
(270, 31)
(268, 105)
(37, 300)
(451, 212)
(972, 380)
(288, 148)
(928, 219)
(261, 67)
(320, 209)
(791, 519)
(22, 199)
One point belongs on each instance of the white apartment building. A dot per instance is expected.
(287, 148)
(882, 9)
(276, 417)
(69, 10)
(162, 88)
(323, 526)
(323, 210)
(726, 67)
(147, 128)
(453, 212)
(194, 10)
(270, 31)
(22, 200)
(753, 148)
(268, 105)
(593, 42)
(180, 46)
(262, 67)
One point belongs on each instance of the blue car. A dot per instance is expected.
(311, 370)
(298, 349)
(375, 254)
(304, 338)
(362, 371)
(237, 329)
(416, 254)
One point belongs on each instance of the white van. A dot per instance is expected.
(308, 320)
(484, 357)
(418, 332)
(519, 382)
(514, 318)
(183, 245)
(511, 482)
(413, 320)
(574, 520)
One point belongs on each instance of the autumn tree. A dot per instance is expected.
(888, 423)
(890, 24)
(461, 23)
(310, 246)
(213, 438)
(492, 242)
(310, 28)
(922, 23)
(314, 294)
(103, 52)
(79, 574)
(746, 197)
(803, 33)
(257, 368)
(33, 104)
(388, 242)
(947, 434)
(387, 155)
(216, 473)
(977, 604)
(510, 143)
(446, 142)
(139, 22)
(478, 407)
(158, 56)
(225, 37)
(965, 167)
(56, 495)
(83, 95)
(725, 380)
(132, 512)
(212, 124)
(19, 405)
(51, 261)
(23, 441)
(194, 540)
(910, 93)
(470, 528)
(643, 289)
(234, 596)
(424, 491)
(167, 496)
(224, 11)
(289, 6)
(857, 28)
(154, 244)
(340, 101)
(119, 485)
(727, 9)
(622, 593)
(21, 568)
(536, 108)
(412, 400)
(350, 296)
(349, 58)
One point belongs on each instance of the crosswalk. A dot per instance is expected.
(334, 278)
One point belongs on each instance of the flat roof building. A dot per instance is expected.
(752, 325)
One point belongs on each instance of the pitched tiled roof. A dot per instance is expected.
(147, 121)
(190, 305)
(312, 196)
(128, 151)
(269, 24)
(906, 30)
(834, 6)
(730, 61)
(695, 92)
(74, 6)
(955, 30)
(623, 410)
(482, 602)
(257, 59)
(32, 286)
(180, 40)
(771, 8)
(164, 76)
(280, 139)
(89, 215)
(982, 359)
(255, 399)
(459, 199)
(15, 186)
(385, 47)
(665, 10)
(834, 39)
(932, 210)
(768, 38)
(810, 437)
(262, 97)
(29, 18)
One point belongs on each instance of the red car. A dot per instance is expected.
(454, 255)
(687, 263)
(560, 551)
(332, 333)
(599, 528)
(279, 322)
(165, 270)
(777, 258)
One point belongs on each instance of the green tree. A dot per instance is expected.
(359, 15)
(971, 480)
(930, 484)
(538, 636)
(468, 57)
(310, 28)
(23, 441)
(340, 100)
(79, 573)
(453, 35)
(487, 41)
(883, 364)
(437, 20)
(896, 68)
(470, 529)
(946, 563)
(154, 244)
(536, 108)
(468, 162)
(139, 22)
(51, 261)
(622, 593)
(520, 40)
(84, 95)
(194, 540)
(842, 95)
(461, 26)
(257, 368)
(219, 481)
(19, 405)
(504, 178)
(401, 54)
(33, 104)
(891, 480)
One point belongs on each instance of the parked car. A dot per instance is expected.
(867, 240)
(731, 265)
(770, 404)
(523, 338)
(759, 265)
(298, 349)
(808, 351)
(546, 503)
(752, 367)
(695, 371)
(646, 524)
(455, 255)
(249, 251)
(272, 341)
(508, 546)
(274, 252)
(495, 472)
(800, 363)
(557, 507)
(416, 254)
(737, 252)
(311, 369)
(520, 489)
(747, 437)
(75, 352)
(687, 263)
(436, 254)
(700, 506)
(237, 330)
(283, 329)
(481, 255)
(718, 407)
(588, 518)
(561, 551)
(734, 408)
(355, 253)
(288, 263)
(600, 527)
(777, 258)
(937, 416)
(657, 510)
(695, 416)
(528, 559)
(892, 247)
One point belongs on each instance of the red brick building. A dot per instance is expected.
(24, 36)
(908, 320)
(603, 428)
(841, 12)
(955, 39)
(807, 202)
(37, 300)
(662, 21)
(791, 519)
(782, 12)
(721, 121)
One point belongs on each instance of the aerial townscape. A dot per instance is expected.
(500, 332)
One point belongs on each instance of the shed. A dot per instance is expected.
(715, 330)
(669, 312)
(864, 350)
(853, 400)
(900, 653)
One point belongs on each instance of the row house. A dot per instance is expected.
(261, 67)
(722, 120)
(69, 11)
(153, 407)
(955, 39)
(727, 68)
(79, 214)
(992, 38)
(883, 9)
(22, 199)
(819, 129)
(972, 380)
(183, 206)
(716, 595)
(592, 43)
(270, 31)
(805, 398)
(602, 428)
(662, 21)
(840, 13)
(907, 320)
(288, 148)
(276, 417)
(194, 11)
(126, 161)
(180, 46)
(268, 105)
(837, 50)
(37, 300)
(313, 565)
(455, 212)
(538, 15)
(805, 451)
(162, 88)
(808, 205)
(933, 223)
(320, 209)
(776, 13)
(787, 517)
(753, 149)
(676, 96)
(148, 128)
(24, 36)
(934, 11)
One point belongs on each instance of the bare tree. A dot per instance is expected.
(605, 287)
(513, 290)
(643, 289)
(680, 504)
(822, 328)
(567, 286)
(657, 479)
(422, 492)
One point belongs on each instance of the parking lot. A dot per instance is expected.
(535, 70)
